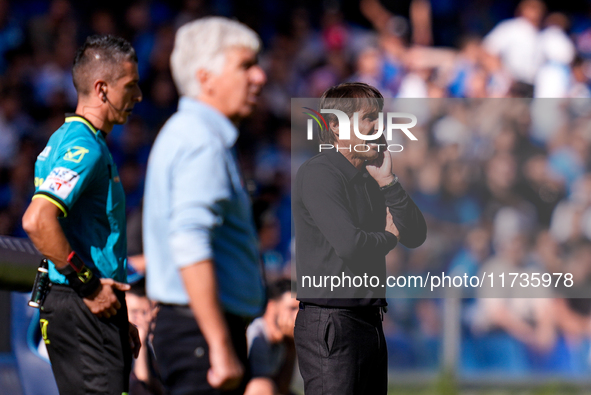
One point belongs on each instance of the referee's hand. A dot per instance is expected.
(104, 302)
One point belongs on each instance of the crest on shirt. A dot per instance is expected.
(75, 154)
(60, 182)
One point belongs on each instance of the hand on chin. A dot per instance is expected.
(381, 167)
(373, 157)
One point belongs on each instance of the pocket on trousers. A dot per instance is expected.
(329, 335)
(300, 321)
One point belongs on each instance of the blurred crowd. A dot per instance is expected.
(499, 198)
(502, 182)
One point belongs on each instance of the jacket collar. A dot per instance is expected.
(228, 132)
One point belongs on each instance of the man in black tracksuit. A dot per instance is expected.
(349, 212)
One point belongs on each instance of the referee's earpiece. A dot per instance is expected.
(105, 99)
(103, 93)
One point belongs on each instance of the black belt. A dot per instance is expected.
(361, 310)
(185, 310)
(56, 287)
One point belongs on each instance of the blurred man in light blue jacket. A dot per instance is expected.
(200, 242)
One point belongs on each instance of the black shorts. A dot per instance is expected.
(182, 353)
(89, 355)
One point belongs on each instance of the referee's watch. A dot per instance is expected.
(79, 276)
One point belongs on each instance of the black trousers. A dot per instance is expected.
(341, 351)
(89, 355)
(182, 354)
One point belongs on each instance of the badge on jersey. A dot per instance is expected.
(75, 154)
(60, 182)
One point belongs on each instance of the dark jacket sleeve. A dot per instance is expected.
(324, 194)
(406, 215)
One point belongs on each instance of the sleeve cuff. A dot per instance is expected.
(55, 200)
(392, 241)
(188, 248)
(393, 194)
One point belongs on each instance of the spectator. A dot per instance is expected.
(516, 41)
(514, 323)
(271, 351)
(558, 51)
(143, 379)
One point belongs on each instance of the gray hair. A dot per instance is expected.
(202, 44)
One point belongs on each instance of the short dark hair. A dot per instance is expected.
(138, 288)
(361, 96)
(98, 58)
(276, 289)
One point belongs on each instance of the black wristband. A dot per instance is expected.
(80, 278)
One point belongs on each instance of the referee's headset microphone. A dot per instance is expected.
(104, 98)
